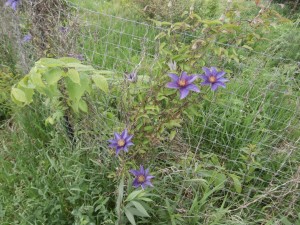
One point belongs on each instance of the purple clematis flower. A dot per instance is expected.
(27, 38)
(213, 78)
(184, 83)
(13, 4)
(132, 77)
(121, 141)
(142, 178)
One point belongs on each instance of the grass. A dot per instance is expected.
(235, 161)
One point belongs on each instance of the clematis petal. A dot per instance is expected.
(222, 80)
(206, 70)
(214, 86)
(128, 138)
(124, 134)
(174, 77)
(220, 74)
(146, 172)
(135, 183)
(191, 78)
(118, 150)
(205, 83)
(142, 171)
(128, 144)
(117, 136)
(193, 87)
(148, 183)
(214, 70)
(113, 145)
(220, 84)
(184, 75)
(183, 93)
(172, 85)
(134, 172)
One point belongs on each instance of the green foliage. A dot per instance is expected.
(7, 79)
(63, 80)
(8, 55)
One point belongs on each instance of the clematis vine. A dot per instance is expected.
(142, 178)
(213, 78)
(184, 83)
(13, 4)
(121, 141)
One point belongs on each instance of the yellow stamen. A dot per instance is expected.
(182, 83)
(212, 79)
(121, 142)
(141, 178)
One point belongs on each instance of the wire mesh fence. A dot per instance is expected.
(249, 118)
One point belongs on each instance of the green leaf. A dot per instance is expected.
(140, 208)
(19, 95)
(50, 62)
(36, 79)
(74, 76)
(236, 182)
(120, 196)
(75, 90)
(53, 75)
(83, 106)
(133, 194)
(80, 67)
(49, 120)
(100, 82)
(172, 134)
(129, 216)
(135, 212)
(69, 60)
(219, 179)
(247, 47)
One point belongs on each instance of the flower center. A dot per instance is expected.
(212, 79)
(141, 178)
(182, 83)
(121, 142)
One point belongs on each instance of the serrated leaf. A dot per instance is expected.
(19, 95)
(50, 62)
(53, 75)
(129, 216)
(36, 79)
(101, 82)
(140, 208)
(74, 76)
(79, 67)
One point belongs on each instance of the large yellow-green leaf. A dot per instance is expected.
(74, 76)
(53, 75)
(101, 82)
